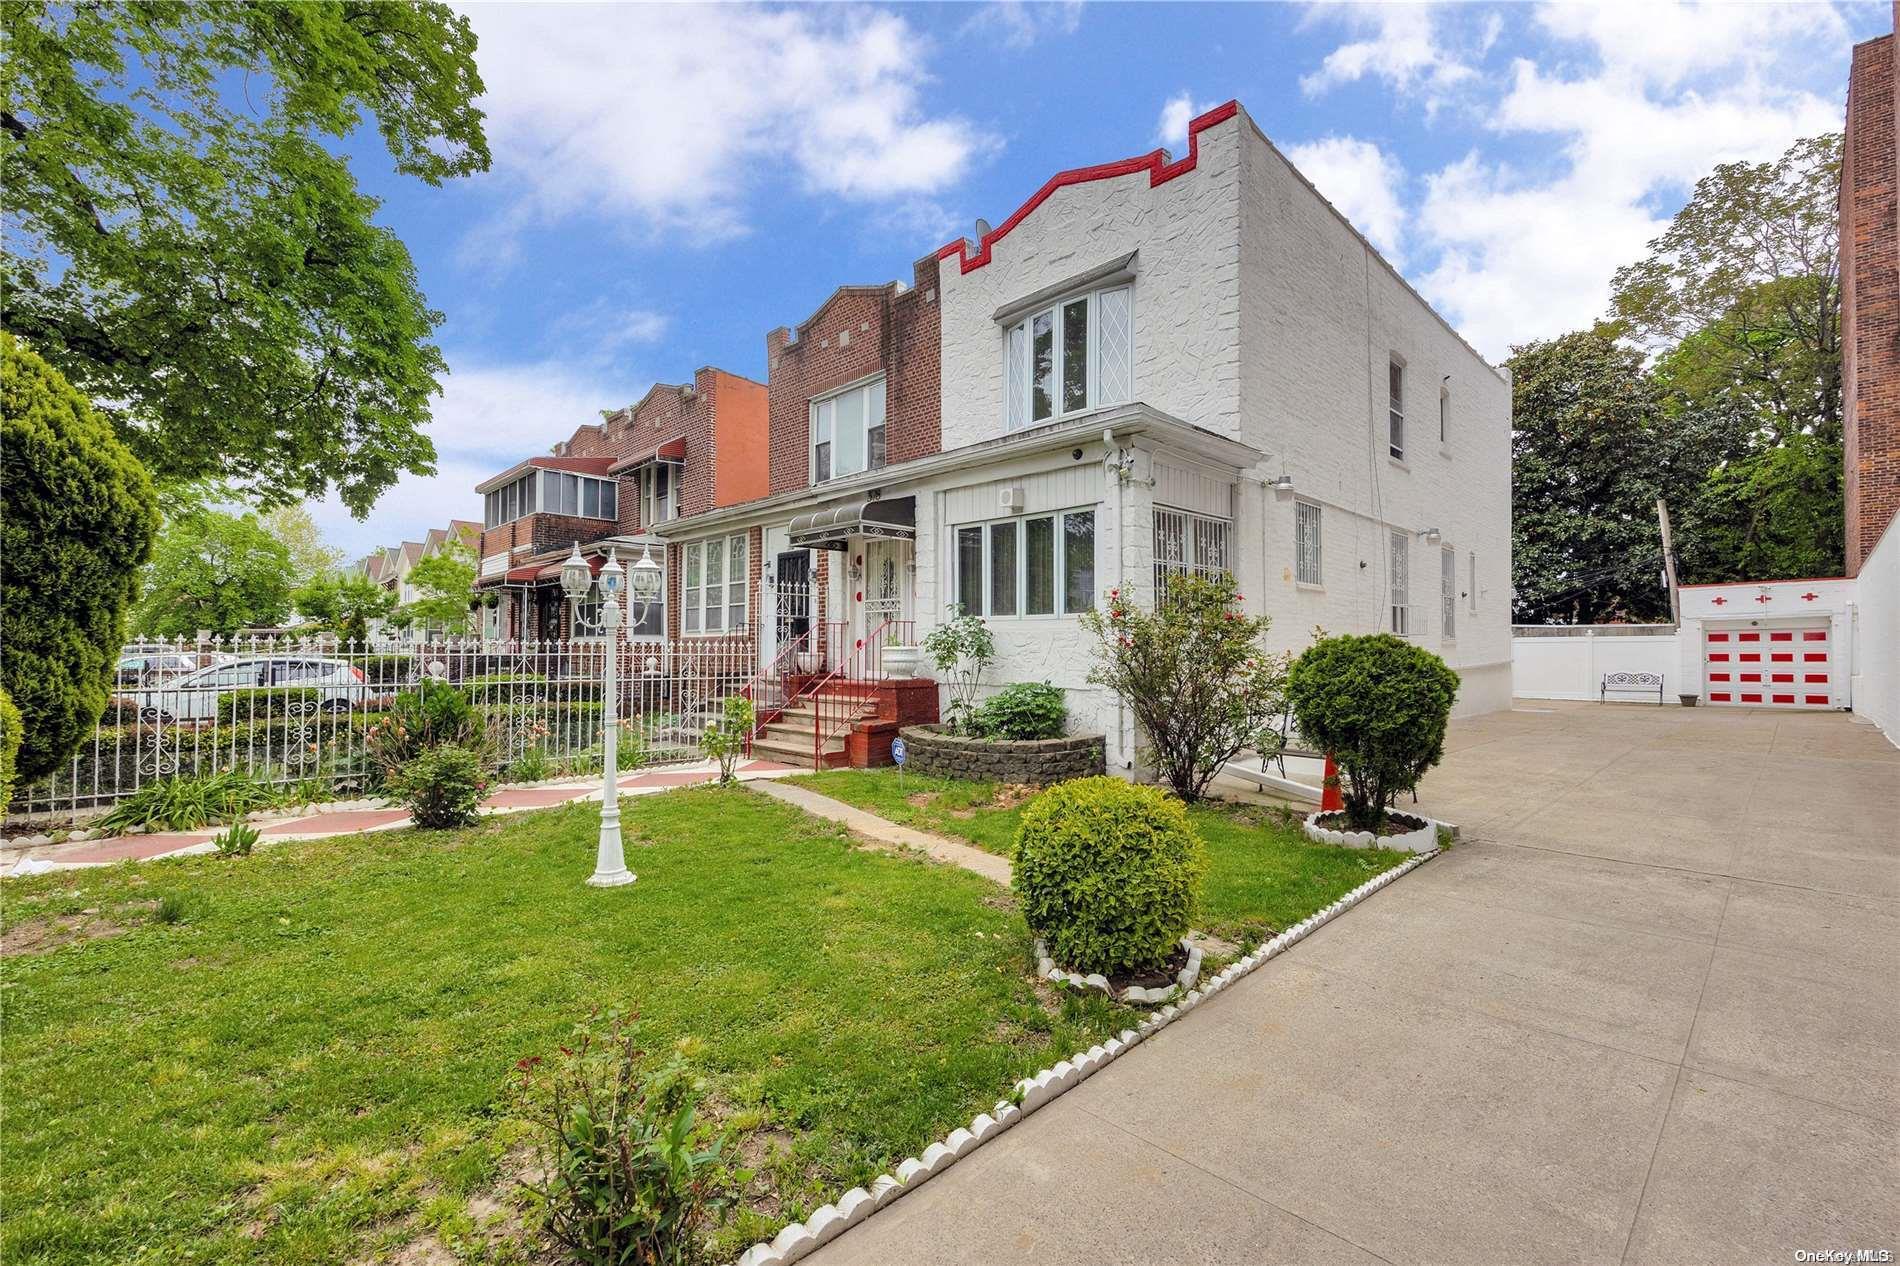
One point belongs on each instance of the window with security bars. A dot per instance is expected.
(1306, 542)
(1448, 591)
(1188, 545)
(1401, 584)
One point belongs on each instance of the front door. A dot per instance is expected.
(887, 576)
(792, 590)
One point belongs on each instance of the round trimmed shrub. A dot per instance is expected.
(1379, 704)
(1108, 873)
(77, 519)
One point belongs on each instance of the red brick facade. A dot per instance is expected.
(859, 331)
(1870, 297)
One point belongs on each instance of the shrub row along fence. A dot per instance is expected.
(293, 713)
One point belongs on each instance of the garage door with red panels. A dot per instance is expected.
(1769, 666)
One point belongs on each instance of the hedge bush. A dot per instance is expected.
(77, 519)
(434, 714)
(9, 746)
(442, 786)
(1379, 704)
(1026, 710)
(1108, 873)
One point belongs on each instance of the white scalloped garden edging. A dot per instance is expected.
(1133, 994)
(1423, 840)
(795, 1241)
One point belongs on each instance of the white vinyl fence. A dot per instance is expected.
(295, 712)
(1570, 661)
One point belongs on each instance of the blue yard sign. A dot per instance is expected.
(897, 750)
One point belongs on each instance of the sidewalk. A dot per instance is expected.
(80, 854)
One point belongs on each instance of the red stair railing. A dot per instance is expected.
(771, 690)
(834, 710)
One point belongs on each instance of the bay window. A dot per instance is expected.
(1068, 358)
(552, 492)
(713, 587)
(847, 431)
(1032, 565)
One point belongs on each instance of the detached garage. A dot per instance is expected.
(1777, 644)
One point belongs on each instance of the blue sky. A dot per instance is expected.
(672, 182)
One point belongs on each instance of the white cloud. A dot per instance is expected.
(488, 417)
(1400, 45)
(1665, 43)
(1176, 113)
(1364, 182)
(1020, 23)
(1612, 124)
(668, 115)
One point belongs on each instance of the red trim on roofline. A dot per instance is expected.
(1159, 173)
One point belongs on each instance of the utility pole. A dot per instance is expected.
(1669, 563)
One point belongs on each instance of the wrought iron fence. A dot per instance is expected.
(296, 713)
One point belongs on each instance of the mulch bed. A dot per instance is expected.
(1153, 977)
(1395, 823)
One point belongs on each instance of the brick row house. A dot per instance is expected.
(1153, 366)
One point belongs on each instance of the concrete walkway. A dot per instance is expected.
(883, 831)
(79, 854)
(1643, 1012)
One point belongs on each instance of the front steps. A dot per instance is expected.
(789, 737)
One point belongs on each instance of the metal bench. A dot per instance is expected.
(1631, 683)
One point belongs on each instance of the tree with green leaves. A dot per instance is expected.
(1591, 450)
(77, 518)
(446, 581)
(343, 600)
(214, 572)
(187, 242)
(310, 557)
(1740, 301)
(1741, 295)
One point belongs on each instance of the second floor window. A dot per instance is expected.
(847, 431)
(552, 492)
(1395, 409)
(1076, 355)
(659, 494)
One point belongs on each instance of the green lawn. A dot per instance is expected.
(1263, 874)
(313, 1063)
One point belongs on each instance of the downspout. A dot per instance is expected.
(1118, 474)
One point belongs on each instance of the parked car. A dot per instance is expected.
(144, 669)
(194, 696)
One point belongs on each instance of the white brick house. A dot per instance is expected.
(1128, 365)
(1262, 317)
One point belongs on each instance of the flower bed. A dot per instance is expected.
(1035, 762)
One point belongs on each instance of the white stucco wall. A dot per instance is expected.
(1320, 316)
(1877, 636)
(1186, 279)
(1261, 316)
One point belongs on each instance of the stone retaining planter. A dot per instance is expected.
(1423, 840)
(1134, 995)
(1035, 762)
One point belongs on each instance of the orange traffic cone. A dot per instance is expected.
(1330, 801)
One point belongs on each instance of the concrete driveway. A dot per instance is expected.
(1646, 1012)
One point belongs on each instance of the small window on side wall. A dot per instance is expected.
(1395, 408)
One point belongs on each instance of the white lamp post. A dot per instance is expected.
(610, 862)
